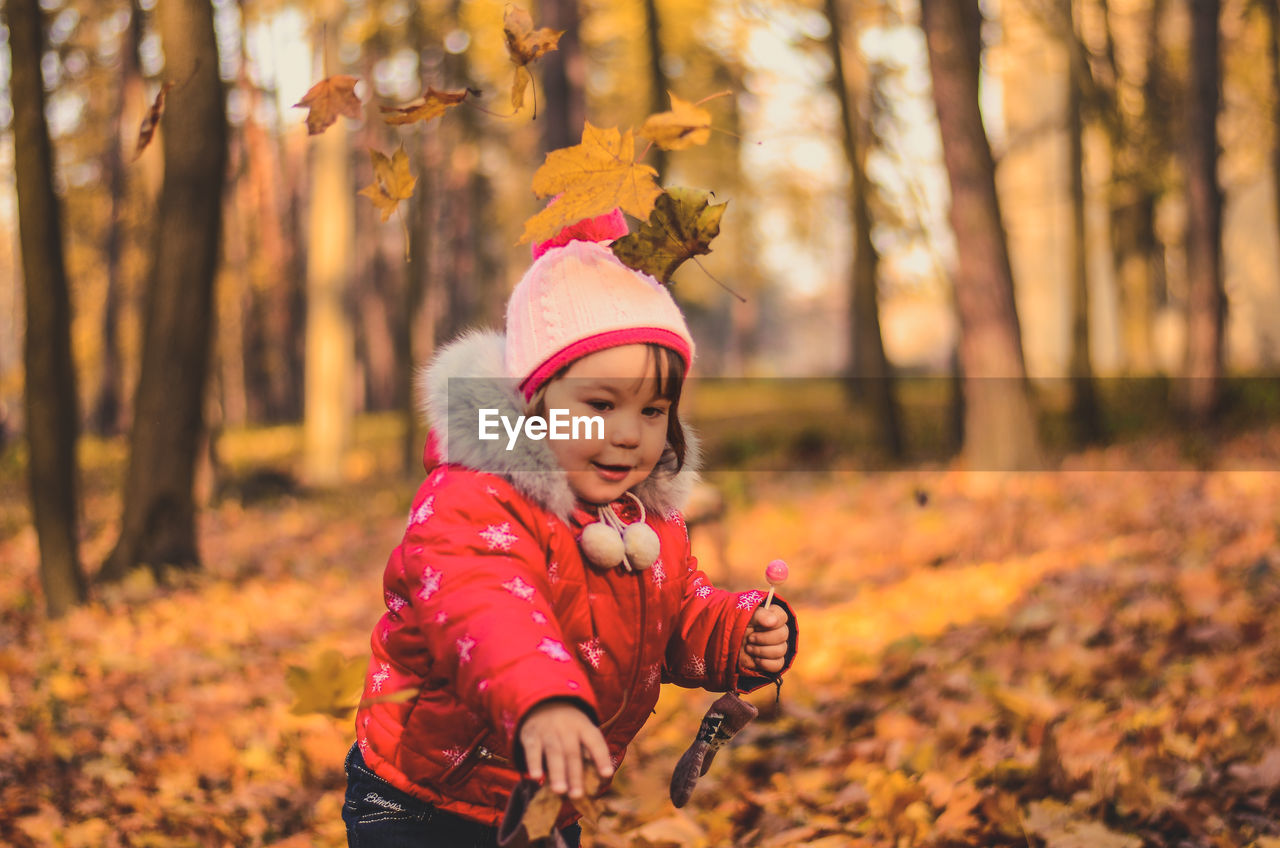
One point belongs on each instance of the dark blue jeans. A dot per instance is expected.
(378, 815)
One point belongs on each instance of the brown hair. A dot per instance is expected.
(668, 371)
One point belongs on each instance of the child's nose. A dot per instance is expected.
(625, 432)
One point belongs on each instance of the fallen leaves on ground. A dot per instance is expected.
(1046, 660)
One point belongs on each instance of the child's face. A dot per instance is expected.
(618, 385)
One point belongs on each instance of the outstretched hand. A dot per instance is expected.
(765, 647)
(562, 736)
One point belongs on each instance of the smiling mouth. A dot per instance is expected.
(612, 472)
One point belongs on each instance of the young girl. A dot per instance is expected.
(544, 587)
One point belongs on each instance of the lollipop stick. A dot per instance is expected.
(769, 600)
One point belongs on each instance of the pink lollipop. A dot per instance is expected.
(775, 572)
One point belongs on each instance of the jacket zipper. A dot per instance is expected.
(639, 662)
(475, 753)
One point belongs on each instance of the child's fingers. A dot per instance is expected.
(557, 774)
(598, 751)
(533, 757)
(768, 652)
(768, 619)
(573, 765)
(776, 636)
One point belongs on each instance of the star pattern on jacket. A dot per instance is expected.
(592, 651)
(749, 600)
(659, 573)
(455, 755)
(424, 511)
(380, 676)
(703, 591)
(554, 648)
(395, 602)
(538, 617)
(519, 588)
(499, 536)
(695, 667)
(430, 583)
(465, 644)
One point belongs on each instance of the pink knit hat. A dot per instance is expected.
(578, 298)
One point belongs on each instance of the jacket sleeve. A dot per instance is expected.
(471, 588)
(710, 628)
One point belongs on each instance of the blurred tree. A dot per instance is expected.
(869, 371)
(107, 414)
(158, 523)
(330, 349)
(1000, 423)
(1206, 300)
(52, 417)
(659, 85)
(563, 107)
(1271, 11)
(1084, 399)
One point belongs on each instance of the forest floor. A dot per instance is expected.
(1088, 656)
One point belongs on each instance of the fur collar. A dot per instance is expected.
(474, 363)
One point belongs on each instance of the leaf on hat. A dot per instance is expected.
(429, 106)
(592, 178)
(524, 45)
(392, 181)
(327, 99)
(682, 224)
(685, 125)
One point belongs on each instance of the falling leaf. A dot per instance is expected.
(518, 85)
(524, 45)
(684, 126)
(431, 105)
(682, 224)
(331, 686)
(591, 178)
(392, 181)
(152, 120)
(329, 98)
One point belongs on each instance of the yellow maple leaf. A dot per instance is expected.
(591, 178)
(518, 85)
(392, 181)
(684, 126)
(327, 99)
(429, 106)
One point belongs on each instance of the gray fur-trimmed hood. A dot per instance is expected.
(468, 375)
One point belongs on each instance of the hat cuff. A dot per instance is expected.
(602, 341)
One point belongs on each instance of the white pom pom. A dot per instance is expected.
(642, 546)
(602, 545)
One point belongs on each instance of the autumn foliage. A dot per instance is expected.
(1060, 658)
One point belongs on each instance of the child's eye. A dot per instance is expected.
(599, 405)
(655, 411)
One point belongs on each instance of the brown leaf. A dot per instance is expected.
(329, 98)
(541, 814)
(518, 85)
(524, 43)
(152, 120)
(684, 126)
(429, 106)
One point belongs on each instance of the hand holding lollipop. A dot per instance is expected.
(776, 573)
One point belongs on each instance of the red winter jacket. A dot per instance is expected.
(491, 608)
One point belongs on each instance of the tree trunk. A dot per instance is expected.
(158, 524)
(330, 347)
(869, 371)
(50, 385)
(1271, 8)
(658, 82)
(106, 417)
(1084, 401)
(1206, 300)
(563, 108)
(1000, 423)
